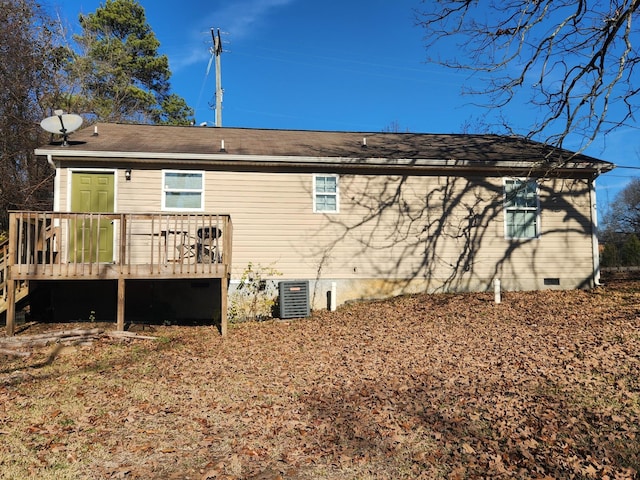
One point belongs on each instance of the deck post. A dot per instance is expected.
(11, 284)
(224, 321)
(120, 311)
(11, 307)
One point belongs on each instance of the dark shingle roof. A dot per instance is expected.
(154, 139)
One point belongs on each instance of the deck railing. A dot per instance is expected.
(46, 245)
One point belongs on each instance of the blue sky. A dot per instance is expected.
(356, 65)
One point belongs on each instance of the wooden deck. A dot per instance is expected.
(116, 246)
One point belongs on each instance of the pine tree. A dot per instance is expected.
(631, 252)
(610, 256)
(119, 72)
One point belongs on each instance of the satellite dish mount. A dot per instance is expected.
(62, 124)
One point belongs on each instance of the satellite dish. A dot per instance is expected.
(62, 124)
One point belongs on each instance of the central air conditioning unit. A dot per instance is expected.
(294, 299)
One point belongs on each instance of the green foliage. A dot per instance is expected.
(174, 111)
(255, 296)
(630, 253)
(610, 256)
(120, 74)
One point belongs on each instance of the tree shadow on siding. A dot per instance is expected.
(449, 231)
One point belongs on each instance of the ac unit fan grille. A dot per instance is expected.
(294, 299)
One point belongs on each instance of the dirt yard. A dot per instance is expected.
(544, 385)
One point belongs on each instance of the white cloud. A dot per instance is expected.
(238, 20)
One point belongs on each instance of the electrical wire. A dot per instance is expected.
(204, 81)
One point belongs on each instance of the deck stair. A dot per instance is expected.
(23, 287)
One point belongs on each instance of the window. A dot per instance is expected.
(182, 190)
(521, 208)
(325, 193)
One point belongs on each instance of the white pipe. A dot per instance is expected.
(56, 184)
(595, 252)
(334, 295)
(496, 290)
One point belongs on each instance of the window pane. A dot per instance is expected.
(531, 194)
(519, 194)
(521, 224)
(326, 184)
(183, 181)
(510, 193)
(326, 203)
(183, 200)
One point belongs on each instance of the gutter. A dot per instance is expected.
(316, 164)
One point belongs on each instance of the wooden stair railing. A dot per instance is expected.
(23, 287)
(4, 250)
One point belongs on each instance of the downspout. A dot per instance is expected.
(594, 232)
(56, 184)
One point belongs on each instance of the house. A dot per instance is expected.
(368, 215)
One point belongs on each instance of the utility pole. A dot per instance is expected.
(217, 51)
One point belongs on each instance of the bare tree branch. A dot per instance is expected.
(574, 61)
(26, 86)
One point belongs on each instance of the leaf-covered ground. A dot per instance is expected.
(543, 385)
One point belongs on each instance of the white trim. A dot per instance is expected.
(530, 209)
(315, 193)
(456, 164)
(56, 190)
(164, 190)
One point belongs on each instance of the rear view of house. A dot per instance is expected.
(373, 214)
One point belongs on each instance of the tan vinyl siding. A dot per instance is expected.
(374, 237)
(435, 230)
(143, 193)
(274, 215)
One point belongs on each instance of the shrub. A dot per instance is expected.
(631, 251)
(255, 296)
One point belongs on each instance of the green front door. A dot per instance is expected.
(92, 192)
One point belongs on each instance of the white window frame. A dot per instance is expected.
(166, 190)
(507, 208)
(316, 193)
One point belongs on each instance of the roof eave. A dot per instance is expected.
(423, 165)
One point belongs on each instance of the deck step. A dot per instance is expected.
(21, 294)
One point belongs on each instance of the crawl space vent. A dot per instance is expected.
(294, 299)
